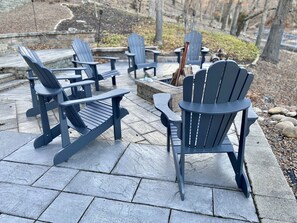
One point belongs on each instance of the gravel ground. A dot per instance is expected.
(274, 85)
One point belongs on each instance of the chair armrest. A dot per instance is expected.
(68, 69)
(178, 50)
(216, 109)
(69, 77)
(153, 51)
(161, 101)
(83, 62)
(204, 50)
(32, 78)
(80, 83)
(129, 54)
(40, 89)
(111, 94)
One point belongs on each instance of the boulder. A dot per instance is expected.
(290, 119)
(290, 132)
(278, 110)
(291, 114)
(277, 117)
(283, 125)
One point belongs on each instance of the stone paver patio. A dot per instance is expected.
(133, 179)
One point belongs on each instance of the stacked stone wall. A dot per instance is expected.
(42, 40)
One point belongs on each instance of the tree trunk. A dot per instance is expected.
(186, 14)
(222, 11)
(195, 20)
(252, 9)
(200, 10)
(226, 15)
(262, 24)
(212, 11)
(272, 46)
(235, 18)
(159, 22)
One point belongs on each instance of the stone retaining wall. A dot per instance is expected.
(41, 40)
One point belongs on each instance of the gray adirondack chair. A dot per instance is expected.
(74, 77)
(196, 53)
(83, 56)
(211, 100)
(99, 114)
(136, 55)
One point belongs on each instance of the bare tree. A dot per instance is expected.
(187, 5)
(200, 10)
(235, 18)
(272, 46)
(226, 15)
(262, 24)
(212, 11)
(252, 9)
(159, 22)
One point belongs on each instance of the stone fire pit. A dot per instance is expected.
(146, 90)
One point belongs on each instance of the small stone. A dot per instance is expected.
(290, 132)
(290, 119)
(291, 114)
(278, 110)
(257, 110)
(261, 119)
(277, 117)
(273, 122)
(70, 29)
(283, 125)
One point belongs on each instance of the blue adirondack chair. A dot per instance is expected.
(99, 114)
(211, 100)
(196, 53)
(74, 77)
(83, 56)
(136, 55)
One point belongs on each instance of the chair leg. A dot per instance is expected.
(155, 71)
(97, 85)
(135, 74)
(113, 80)
(179, 174)
(168, 139)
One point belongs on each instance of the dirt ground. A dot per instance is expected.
(274, 85)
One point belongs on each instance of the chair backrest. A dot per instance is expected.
(84, 54)
(223, 82)
(29, 53)
(136, 46)
(49, 80)
(195, 39)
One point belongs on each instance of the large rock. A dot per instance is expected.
(278, 110)
(283, 125)
(277, 117)
(290, 119)
(290, 132)
(291, 114)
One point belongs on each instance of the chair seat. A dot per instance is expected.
(96, 113)
(146, 65)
